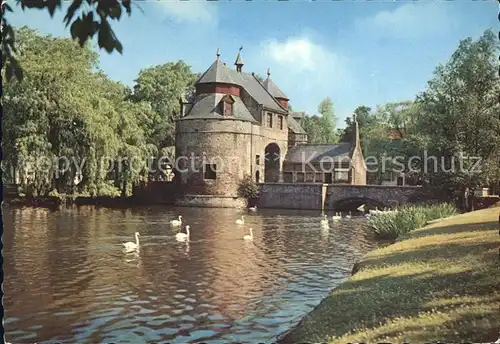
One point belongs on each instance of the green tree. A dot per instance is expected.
(383, 139)
(328, 121)
(321, 128)
(162, 86)
(459, 115)
(364, 118)
(63, 108)
(313, 127)
(383, 135)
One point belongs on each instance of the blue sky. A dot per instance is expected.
(355, 52)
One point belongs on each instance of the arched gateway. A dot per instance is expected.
(272, 163)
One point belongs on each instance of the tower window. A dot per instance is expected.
(257, 159)
(280, 118)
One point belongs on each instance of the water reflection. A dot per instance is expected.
(68, 280)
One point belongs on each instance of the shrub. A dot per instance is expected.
(105, 189)
(248, 188)
(60, 197)
(407, 218)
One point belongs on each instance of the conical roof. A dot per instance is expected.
(217, 72)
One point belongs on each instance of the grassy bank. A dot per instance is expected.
(438, 283)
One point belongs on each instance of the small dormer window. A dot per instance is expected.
(226, 106)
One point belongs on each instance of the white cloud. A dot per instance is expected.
(197, 12)
(410, 21)
(300, 53)
(305, 70)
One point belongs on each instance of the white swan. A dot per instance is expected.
(324, 222)
(132, 246)
(336, 216)
(183, 236)
(348, 216)
(249, 237)
(253, 208)
(361, 208)
(176, 222)
(240, 221)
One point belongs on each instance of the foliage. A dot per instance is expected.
(312, 126)
(407, 218)
(328, 122)
(248, 188)
(93, 20)
(459, 115)
(365, 120)
(321, 129)
(163, 86)
(64, 108)
(384, 135)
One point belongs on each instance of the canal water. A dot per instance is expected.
(68, 280)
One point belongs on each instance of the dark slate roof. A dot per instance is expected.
(294, 126)
(273, 89)
(303, 153)
(297, 114)
(206, 107)
(253, 86)
(218, 72)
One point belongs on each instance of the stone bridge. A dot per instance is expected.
(317, 196)
(345, 196)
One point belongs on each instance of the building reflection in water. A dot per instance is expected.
(68, 278)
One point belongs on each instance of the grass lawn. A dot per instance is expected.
(438, 283)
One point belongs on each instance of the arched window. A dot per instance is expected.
(257, 176)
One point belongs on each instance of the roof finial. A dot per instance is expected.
(218, 53)
(268, 72)
(239, 61)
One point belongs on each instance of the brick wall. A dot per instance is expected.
(231, 144)
(290, 195)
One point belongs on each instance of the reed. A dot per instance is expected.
(391, 225)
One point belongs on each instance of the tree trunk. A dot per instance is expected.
(471, 202)
(124, 188)
(465, 199)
